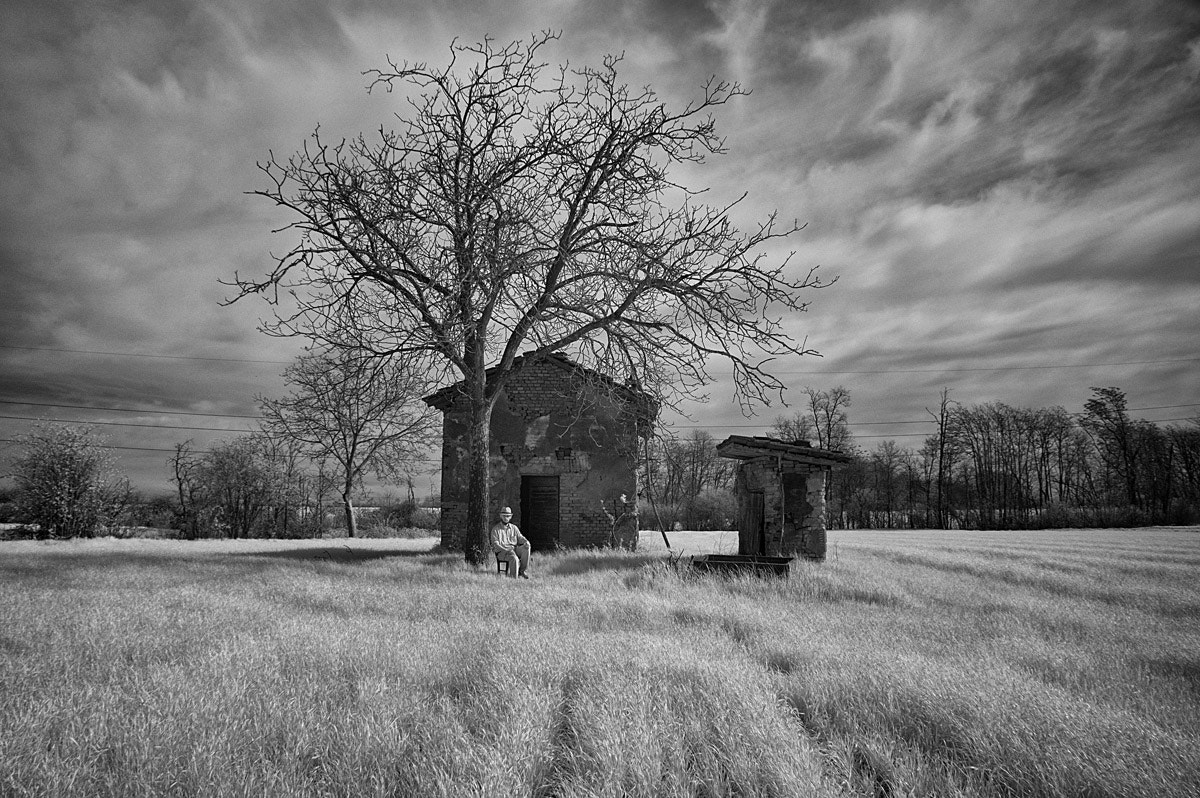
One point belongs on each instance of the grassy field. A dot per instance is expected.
(910, 663)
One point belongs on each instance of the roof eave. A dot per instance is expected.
(741, 447)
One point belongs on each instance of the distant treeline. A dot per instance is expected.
(988, 466)
(261, 485)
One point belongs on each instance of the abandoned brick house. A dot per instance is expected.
(780, 489)
(565, 443)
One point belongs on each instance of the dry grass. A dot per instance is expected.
(1064, 663)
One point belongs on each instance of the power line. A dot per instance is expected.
(121, 424)
(697, 426)
(998, 368)
(901, 435)
(194, 451)
(124, 409)
(845, 371)
(142, 354)
(126, 448)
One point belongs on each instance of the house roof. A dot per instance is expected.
(443, 398)
(745, 447)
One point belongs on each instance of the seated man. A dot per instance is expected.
(510, 545)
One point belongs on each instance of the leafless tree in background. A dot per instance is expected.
(823, 422)
(359, 413)
(794, 428)
(185, 468)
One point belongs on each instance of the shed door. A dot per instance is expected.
(539, 511)
(751, 529)
(758, 522)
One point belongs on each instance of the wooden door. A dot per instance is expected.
(540, 511)
(752, 537)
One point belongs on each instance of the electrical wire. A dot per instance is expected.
(998, 368)
(126, 448)
(120, 424)
(848, 371)
(159, 411)
(143, 354)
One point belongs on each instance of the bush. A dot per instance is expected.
(397, 519)
(382, 531)
(66, 483)
(12, 531)
(8, 506)
(708, 510)
(428, 518)
(713, 509)
(158, 512)
(393, 514)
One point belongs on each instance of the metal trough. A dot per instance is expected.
(756, 565)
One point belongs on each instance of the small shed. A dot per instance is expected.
(780, 490)
(564, 449)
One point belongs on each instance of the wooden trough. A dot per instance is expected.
(753, 564)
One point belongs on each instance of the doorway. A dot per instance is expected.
(540, 511)
(756, 523)
(752, 538)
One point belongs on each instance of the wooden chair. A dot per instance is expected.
(501, 565)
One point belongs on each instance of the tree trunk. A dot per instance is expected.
(940, 508)
(348, 508)
(475, 537)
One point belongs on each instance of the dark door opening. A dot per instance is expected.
(757, 519)
(751, 531)
(539, 511)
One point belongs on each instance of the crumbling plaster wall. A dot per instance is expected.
(547, 423)
(795, 526)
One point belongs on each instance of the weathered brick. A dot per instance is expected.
(545, 409)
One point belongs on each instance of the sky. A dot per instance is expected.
(1007, 192)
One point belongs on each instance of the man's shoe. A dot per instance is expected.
(524, 576)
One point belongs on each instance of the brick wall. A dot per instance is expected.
(549, 421)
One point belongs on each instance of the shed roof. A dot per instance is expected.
(443, 398)
(745, 447)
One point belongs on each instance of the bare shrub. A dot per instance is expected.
(67, 484)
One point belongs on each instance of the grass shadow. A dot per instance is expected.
(1185, 671)
(50, 568)
(587, 562)
(338, 553)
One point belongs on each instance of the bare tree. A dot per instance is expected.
(1115, 438)
(357, 412)
(794, 428)
(941, 457)
(238, 486)
(886, 468)
(285, 458)
(185, 467)
(824, 420)
(830, 420)
(518, 209)
(687, 479)
(1186, 442)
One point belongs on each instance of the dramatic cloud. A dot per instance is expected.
(1008, 192)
